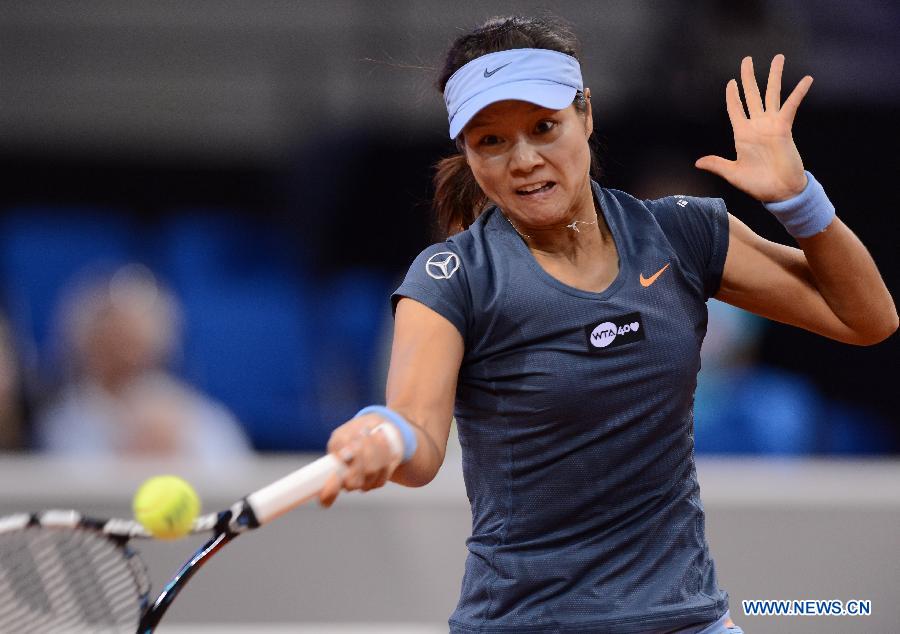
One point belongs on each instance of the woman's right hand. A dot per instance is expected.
(370, 458)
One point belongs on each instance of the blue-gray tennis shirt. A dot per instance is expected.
(574, 412)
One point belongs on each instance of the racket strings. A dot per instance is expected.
(60, 579)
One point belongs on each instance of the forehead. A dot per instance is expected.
(505, 111)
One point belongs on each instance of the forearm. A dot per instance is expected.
(832, 287)
(425, 463)
(848, 280)
(425, 359)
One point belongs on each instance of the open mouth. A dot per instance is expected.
(536, 188)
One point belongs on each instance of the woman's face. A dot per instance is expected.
(534, 163)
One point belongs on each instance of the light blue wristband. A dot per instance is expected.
(406, 431)
(806, 214)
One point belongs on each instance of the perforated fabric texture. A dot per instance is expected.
(574, 411)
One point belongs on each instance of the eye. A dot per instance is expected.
(545, 125)
(489, 139)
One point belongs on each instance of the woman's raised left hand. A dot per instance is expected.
(768, 165)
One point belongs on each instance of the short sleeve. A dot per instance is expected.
(438, 279)
(697, 228)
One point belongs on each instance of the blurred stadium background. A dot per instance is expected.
(270, 163)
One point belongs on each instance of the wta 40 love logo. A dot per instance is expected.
(606, 333)
(614, 332)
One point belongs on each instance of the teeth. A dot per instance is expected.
(530, 188)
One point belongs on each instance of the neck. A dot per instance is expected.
(572, 239)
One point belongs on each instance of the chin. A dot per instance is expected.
(541, 215)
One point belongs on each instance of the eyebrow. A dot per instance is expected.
(481, 120)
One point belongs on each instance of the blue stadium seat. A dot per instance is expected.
(199, 246)
(43, 248)
(248, 323)
(351, 342)
(248, 344)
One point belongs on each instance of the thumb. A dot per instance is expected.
(716, 164)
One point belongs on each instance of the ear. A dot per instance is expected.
(461, 145)
(589, 113)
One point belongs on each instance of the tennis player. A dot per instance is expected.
(561, 323)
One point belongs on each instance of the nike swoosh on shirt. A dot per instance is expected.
(647, 281)
(488, 74)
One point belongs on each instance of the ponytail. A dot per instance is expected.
(458, 199)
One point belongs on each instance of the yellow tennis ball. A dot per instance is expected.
(166, 506)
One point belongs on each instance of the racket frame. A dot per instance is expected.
(251, 512)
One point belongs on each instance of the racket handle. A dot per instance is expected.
(293, 489)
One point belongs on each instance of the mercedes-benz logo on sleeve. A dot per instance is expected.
(442, 266)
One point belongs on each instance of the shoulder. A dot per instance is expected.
(634, 212)
(680, 208)
(461, 253)
(476, 239)
(441, 261)
(692, 219)
(680, 217)
(623, 198)
(698, 229)
(438, 278)
(446, 275)
(666, 208)
(674, 214)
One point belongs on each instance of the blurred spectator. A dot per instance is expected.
(118, 335)
(12, 411)
(742, 406)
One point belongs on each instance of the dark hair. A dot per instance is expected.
(458, 199)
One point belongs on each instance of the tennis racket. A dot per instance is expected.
(63, 572)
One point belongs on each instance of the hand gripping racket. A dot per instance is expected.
(63, 572)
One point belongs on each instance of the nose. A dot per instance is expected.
(524, 156)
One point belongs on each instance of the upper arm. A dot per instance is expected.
(426, 356)
(776, 282)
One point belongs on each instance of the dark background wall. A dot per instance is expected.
(314, 125)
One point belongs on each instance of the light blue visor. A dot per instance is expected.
(546, 78)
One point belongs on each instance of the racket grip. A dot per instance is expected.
(293, 489)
